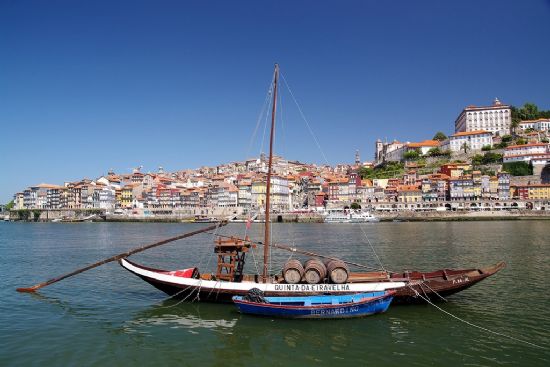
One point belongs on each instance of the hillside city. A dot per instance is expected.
(497, 158)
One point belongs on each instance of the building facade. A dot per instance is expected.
(495, 119)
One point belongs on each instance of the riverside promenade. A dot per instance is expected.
(178, 216)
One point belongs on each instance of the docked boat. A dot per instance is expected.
(349, 216)
(314, 307)
(312, 278)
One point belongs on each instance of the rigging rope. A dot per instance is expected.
(472, 324)
(372, 248)
(265, 124)
(260, 116)
(305, 119)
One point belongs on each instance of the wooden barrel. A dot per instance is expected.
(293, 272)
(315, 271)
(337, 271)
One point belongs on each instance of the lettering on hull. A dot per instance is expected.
(312, 287)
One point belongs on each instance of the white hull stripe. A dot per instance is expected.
(245, 286)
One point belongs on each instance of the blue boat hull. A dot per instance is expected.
(331, 307)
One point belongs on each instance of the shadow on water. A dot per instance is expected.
(227, 335)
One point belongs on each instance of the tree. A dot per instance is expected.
(434, 152)
(486, 148)
(514, 125)
(491, 157)
(521, 141)
(477, 160)
(529, 111)
(10, 205)
(355, 206)
(518, 168)
(506, 138)
(411, 155)
(465, 147)
(439, 136)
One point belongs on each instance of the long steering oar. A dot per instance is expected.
(120, 256)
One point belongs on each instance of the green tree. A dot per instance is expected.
(518, 168)
(506, 138)
(486, 148)
(465, 147)
(529, 111)
(521, 141)
(355, 206)
(491, 157)
(411, 155)
(10, 205)
(434, 152)
(365, 172)
(477, 160)
(514, 125)
(439, 136)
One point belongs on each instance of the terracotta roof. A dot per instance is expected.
(425, 143)
(408, 188)
(527, 145)
(48, 186)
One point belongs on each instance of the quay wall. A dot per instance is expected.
(186, 216)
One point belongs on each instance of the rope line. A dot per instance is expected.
(305, 120)
(372, 248)
(474, 325)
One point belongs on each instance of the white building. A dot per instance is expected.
(107, 198)
(388, 151)
(475, 140)
(496, 119)
(244, 199)
(539, 125)
(19, 201)
(527, 153)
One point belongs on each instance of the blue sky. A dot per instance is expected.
(90, 85)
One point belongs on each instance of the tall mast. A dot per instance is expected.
(268, 183)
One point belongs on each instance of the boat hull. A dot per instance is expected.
(408, 286)
(223, 291)
(438, 285)
(364, 305)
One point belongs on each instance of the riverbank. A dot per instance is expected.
(396, 216)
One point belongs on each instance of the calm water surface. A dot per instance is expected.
(108, 316)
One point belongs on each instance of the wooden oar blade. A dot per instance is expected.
(27, 290)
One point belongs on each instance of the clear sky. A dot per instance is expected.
(86, 86)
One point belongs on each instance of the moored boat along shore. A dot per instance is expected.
(78, 216)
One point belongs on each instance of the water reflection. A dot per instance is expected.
(186, 315)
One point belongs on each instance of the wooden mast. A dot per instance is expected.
(268, 183)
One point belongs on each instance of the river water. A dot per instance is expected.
(108, 316)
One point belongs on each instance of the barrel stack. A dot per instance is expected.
(314, 271)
